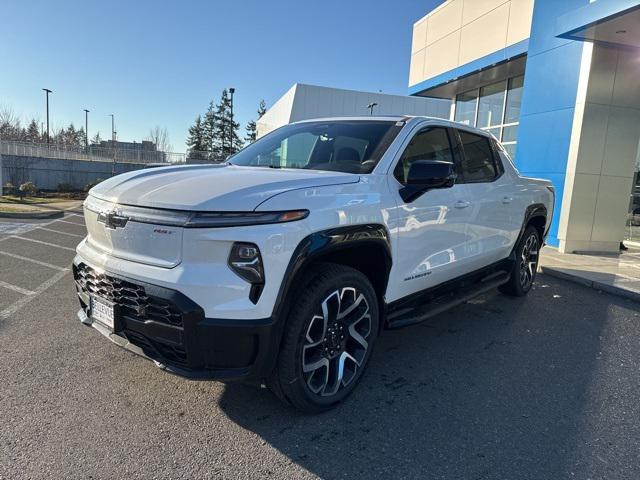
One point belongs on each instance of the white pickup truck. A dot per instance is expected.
(284, 264)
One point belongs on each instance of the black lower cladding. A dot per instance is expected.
(172, 329)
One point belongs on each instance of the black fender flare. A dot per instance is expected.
(327, 241)
(532, 211)
(311, 248)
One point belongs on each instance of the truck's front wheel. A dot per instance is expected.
(328, 338)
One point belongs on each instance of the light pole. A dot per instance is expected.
(47, 92)
(113, 143)
(371, 106)
(86, 128)
(231, 91)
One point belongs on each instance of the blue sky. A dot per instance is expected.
(160, 63)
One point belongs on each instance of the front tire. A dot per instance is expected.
(328, 339)
(525, 267)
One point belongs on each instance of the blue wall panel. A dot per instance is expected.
(548, 103)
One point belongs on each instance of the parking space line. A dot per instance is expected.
(67, 221)
(43, 243)
(37, 262)
(16, 288)
(61, 233)
(17, 305)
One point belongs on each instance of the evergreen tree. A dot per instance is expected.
(81, 138)
(225, 140)
(196, 141)
(209, 132)
(252, 131)
(262, 109)
(33, 132)
(252, 127)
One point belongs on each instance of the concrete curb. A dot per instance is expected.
(33, 215)
(618, 291)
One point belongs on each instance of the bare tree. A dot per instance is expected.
(160, 136)
(10, 127)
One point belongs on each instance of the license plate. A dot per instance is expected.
(102, 311)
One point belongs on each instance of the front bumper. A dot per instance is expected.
(170, 329)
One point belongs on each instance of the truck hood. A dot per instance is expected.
(211, 187)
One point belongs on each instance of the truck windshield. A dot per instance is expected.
(350, 146)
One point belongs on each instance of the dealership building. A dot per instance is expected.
(558, 82)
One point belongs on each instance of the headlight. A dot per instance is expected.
(239, 219)
(180, 218)
(246, 262)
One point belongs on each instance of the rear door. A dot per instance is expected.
(491, 221)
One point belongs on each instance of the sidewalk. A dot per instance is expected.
(37, 210)
(616, 274)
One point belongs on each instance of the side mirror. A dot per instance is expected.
(426, 175)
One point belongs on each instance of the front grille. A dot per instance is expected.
(132, 300)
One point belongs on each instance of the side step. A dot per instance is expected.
(410, 316)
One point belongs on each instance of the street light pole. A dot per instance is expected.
(86, 128)
(47, 92)
(231, 91)
(113, 143)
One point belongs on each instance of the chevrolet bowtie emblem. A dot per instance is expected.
(112, 220)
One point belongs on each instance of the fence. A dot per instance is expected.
(91, 153)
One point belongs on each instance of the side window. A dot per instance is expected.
(429, 144)
(497, 148)
(478, 163)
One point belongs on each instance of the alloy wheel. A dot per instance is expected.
(529, 261)
(336, 342)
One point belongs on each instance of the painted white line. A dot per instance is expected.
(16, 288)
(37, 262)
(17, 305)
(74, 214)
(70, 223)
(43, 243)
(61, 233)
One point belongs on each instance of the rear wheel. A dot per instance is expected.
(328, 338)
(525, 267)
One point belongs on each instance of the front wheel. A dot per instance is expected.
(328, 339)
(525, 267)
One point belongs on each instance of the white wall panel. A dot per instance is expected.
(485, 35)
(480, 27)
(444, 20)
(303, 102)
(474, 9)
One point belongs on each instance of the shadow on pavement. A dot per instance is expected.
(492, 389)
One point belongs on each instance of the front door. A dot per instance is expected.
(431, 229)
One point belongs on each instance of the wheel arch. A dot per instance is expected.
(536, 215)
(366, 248)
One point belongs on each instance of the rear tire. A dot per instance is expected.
(525, 267)
(328, 339)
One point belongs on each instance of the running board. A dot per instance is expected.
(411, 316)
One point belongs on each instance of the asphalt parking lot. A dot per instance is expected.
(544, 387)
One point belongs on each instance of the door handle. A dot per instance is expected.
(506, 200)
(461, 204)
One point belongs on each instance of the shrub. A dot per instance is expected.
(28, 189)
(65, 187)
(9, 189)
(90, 185)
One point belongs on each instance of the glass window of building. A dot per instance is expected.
(495, 108)
(466, 107)
(514, 99)
(490, 108)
